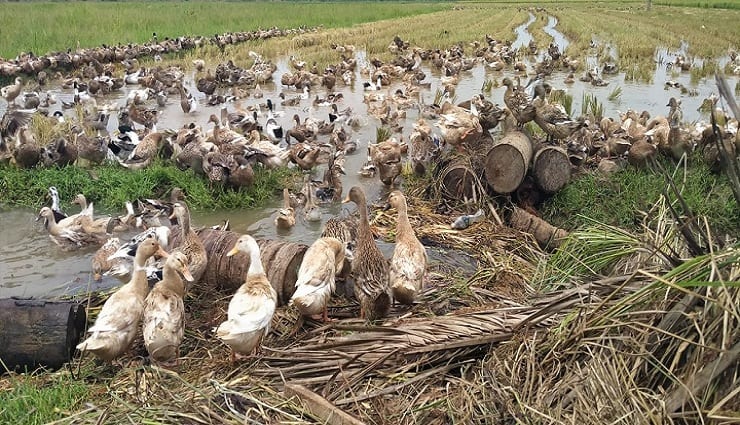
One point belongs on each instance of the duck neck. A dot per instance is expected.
(82, 201)
(364, 227)
(255, 261)
(172, 280)
(185, 224)
(138, 275)
(51, 225)
(403, 227)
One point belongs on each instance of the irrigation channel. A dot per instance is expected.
(31, 265)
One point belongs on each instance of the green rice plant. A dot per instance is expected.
(382, 134)
(439, 96)
(615, 94)
(563, 98)
(134, 22)
(590, 105)
(487, 86)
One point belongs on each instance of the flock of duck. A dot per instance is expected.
(345, 248)
(245, 137)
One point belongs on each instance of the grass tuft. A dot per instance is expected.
(39, 400)
(622, 199)
(110, 186)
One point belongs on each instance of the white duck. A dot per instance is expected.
(164, 311)
(68, 236)
(315, 284)
(252, 307)
(116, 326)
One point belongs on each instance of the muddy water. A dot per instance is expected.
(31, 265)
(557, 37)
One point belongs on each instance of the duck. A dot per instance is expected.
(315, 283)
(299, 132)
(273, 130)
(187, 100)
(122, 260)
(552, 118)
(11, 91)
(518, 102)
(330, 189)
(286, 215)
(100, 226)
(93, 150)
(163, 324)
(144, 152)
(252, 306)
(143, 116)
(458, 125)
(10, 123)
(304, 155)
(190, 243)
(386, 156)
(369, 267)
(240, 172)
(100, 262)
(206, 84)
(409, 262)
(27, 153)
(423, 148)
(118, 321)
(215, 167)
(311, 211)
(151, 210)
(59, 215)
(70, 236)
(489, 113)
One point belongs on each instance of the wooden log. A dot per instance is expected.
(36, 333)
(320, 407)
(281, 261)
(508, 161)
(458, 180)
(547, 235)
(551, 168)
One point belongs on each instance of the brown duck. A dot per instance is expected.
(518, 102)
(369, 266)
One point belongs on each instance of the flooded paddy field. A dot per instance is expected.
(33, 266)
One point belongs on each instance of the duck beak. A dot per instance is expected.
(97, 277)
(233, 251)
(346, 200)
(161, 252)
(186, 274)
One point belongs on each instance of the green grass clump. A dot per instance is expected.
(110, 186)
(40, 400)
(621, 199)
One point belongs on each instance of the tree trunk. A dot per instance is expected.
(280, 260)
(36, 333)
(508, 161)
(547, 235)
(551, 168)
